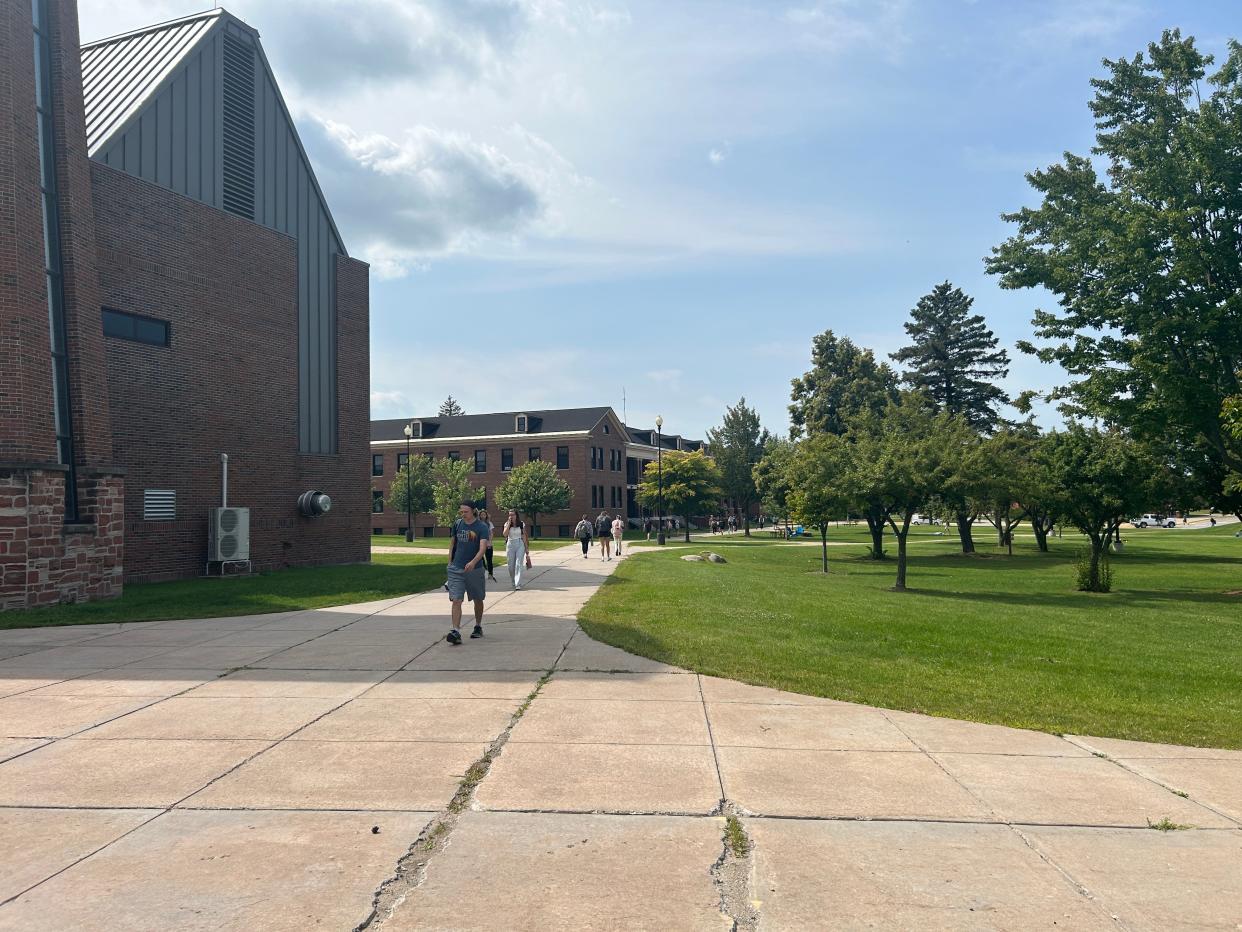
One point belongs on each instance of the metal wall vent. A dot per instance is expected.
(159, 505)
(238, 139)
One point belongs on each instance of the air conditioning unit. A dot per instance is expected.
(228, 534)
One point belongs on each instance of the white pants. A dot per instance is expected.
(515, 555)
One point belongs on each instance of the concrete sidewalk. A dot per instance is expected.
(346, 768)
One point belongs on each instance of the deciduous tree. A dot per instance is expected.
(416, 479)
(690, 485)
(817, 492)
(534, 488)
(1144, 260)
(452, 487)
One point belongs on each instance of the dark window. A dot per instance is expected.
(429, 456)
(402, 459)
(377, 503)
(593, 466)
(134, 327)
(401, 531)
(562, 457)
(536, 530)
(612, 496)
(533, 455)
(377, 464)
(506, 459)
(521, 424)
(377, 530)
(594, 496)
(606, 430)
(429, 531)
(454, 455)
(601, 457)
(480, 461)
(562, 530)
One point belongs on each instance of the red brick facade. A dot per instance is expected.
(580, 475)
(144, 416)
(226, 383)
(43, 560)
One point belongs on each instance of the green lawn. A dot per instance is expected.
(987, 638)
(385, 577)
(441, 543)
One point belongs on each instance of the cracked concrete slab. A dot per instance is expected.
(11, 747)
(1071, 791)
(288, 684)
(815, 728)
(678, 687)
(366, 719)
(609, 721)
(40, 842)
(569, 872)
(1215, 783)
(409, 775)
(129, 683)
(602, 777)
(225, 871)
(909, 875)
(34, 716)
(215, 717)
(457, 684)
(844, 784)
(117, 774)
(1154, 881)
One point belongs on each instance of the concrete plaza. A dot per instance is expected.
(305, 770)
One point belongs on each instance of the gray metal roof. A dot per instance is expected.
(121, 73)
(466, 426)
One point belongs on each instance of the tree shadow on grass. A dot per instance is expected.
(1118, 598)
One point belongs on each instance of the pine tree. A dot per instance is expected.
(953, 358)
(954, 361)
(450, 408)
(736, 446)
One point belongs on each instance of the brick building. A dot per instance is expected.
(172, 288)
(594, 452)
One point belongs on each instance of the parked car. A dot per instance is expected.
(919, 519)
(1155, 521)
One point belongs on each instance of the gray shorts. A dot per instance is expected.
(469, 584)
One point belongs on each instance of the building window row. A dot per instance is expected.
(534, 455)
(135, 327)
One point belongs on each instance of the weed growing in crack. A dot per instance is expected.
(1168, 825)
(735, 835)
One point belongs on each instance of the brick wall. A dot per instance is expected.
(227, 383)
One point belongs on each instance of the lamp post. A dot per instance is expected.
(660, 475)
(409, 518)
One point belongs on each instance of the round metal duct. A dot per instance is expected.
(314, 503)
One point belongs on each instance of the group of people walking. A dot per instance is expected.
(608, 530)
(723, 525)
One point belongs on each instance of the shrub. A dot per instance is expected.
(1082, 568)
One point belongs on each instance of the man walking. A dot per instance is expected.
(466, 578)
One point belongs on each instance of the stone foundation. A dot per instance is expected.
(44, 561)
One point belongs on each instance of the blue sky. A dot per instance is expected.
(561, 199)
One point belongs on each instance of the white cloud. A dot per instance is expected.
(717, 154)
(840, 26)
(1082, 21)
(428, 193)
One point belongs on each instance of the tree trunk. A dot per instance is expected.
(1009, 536)
(1097, 545)
(1041, 534)
(823, 538)
(964, 521)
(746, 521)
(875, 524)
(534, 522)
(687, 523)
(900, 585)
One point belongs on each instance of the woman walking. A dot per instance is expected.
(583, 533)
(618, 531)
(517, 547)
(491, 535)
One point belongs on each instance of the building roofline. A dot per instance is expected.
(205, 14)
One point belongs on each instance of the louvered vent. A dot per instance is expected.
(159, 505)
(238, 127)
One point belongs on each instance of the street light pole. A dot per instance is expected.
(409, 518)
(660, 475)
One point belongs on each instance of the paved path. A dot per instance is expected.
(344, 768)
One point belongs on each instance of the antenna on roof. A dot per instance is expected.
(624, 417)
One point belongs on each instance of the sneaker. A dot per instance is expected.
(477, 632)
(454, 637)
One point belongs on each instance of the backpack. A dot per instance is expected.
(582, 531)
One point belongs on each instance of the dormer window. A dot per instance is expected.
(416, 429)
(520, 423)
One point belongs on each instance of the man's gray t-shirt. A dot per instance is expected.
(469, 537)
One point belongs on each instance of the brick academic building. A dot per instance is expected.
(172, 288)
(601, 458)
